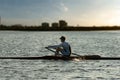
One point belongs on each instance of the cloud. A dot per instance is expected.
(65, 8)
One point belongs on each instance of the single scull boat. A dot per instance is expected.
(86, 57)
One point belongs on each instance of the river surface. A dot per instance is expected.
(17, 43)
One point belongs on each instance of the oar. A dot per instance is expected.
(50, 50)
(76, 54)
(55, 51)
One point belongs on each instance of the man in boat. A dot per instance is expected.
(64, 48)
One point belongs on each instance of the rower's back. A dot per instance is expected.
(66, 48)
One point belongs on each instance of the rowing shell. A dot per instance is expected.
(86, 57)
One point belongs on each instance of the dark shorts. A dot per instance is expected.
(64, 53)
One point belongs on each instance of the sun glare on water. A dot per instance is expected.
(76, 59)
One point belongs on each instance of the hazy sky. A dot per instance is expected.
(75, 12)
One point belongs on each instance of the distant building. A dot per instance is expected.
(45, 25)
(62, 23)
(55, 24)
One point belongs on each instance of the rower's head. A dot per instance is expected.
(62, 38)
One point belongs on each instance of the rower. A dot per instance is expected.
(64, 48)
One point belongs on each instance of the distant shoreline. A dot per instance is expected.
(67, 28)
(61, 30)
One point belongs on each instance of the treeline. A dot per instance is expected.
(68, 28)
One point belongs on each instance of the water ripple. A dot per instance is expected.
(102, 43)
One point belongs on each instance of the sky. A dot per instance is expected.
(75, 12)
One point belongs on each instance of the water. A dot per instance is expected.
(15, 43)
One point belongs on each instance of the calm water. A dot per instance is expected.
(104, 43)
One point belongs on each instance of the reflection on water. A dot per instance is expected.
(32, 44)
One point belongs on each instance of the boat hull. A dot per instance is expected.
(86, 57)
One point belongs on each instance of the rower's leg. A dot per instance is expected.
(57, 51)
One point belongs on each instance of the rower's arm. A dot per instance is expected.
(55, 46)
